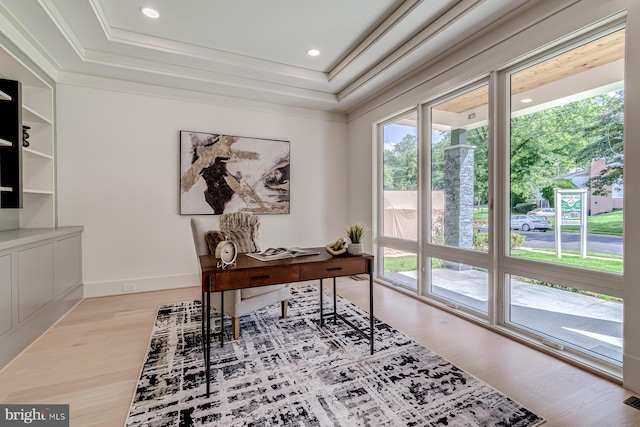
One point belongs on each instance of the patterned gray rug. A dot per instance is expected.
(289, 372)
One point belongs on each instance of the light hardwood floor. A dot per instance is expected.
(92, 358)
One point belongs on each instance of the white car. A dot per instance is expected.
(545, 212)
(529, 222)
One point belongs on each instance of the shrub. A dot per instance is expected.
(481, 240)
(524, 207)
(517, 240)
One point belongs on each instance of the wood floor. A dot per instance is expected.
(92, 358)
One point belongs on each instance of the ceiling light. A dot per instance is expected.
(151, 13)
(313, 52)
(526, 100)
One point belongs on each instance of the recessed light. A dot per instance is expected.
(313, 52)
(151, 13)
(526, 100)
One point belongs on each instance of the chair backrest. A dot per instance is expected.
(242, 219)
(200, 225)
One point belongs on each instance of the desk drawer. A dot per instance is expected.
(242, 279)
(323, 270)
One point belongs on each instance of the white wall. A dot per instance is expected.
(544, 24)
(118, 176)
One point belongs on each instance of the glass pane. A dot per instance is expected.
(587, 320)
(460, 171)
(401, 268)
(400, 178)
(567, 156)
(461, 284)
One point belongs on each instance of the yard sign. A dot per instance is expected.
(571, 209)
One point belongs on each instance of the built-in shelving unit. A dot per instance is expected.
(40, 263)
(38, 159)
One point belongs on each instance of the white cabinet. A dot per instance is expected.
(40, 280)
(5, 293)
(35, 279)
(38, 160)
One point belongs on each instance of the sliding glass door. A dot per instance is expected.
(566, 164)
(398, 213)
(456, 194)
(503, 199)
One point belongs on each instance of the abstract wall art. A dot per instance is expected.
(224, 173)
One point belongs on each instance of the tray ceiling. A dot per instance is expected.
(250, 48)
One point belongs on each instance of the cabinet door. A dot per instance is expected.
(68, 264)
(35, 279)
(5, 293)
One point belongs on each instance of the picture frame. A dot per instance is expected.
(226, 173)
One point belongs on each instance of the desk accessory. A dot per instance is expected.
(226, 253)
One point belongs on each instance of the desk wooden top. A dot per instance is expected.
(250, 272)
(208, 263)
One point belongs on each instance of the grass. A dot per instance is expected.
(613, 263)
(610, 223)
(400, 264)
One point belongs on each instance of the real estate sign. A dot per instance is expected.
(571, 209)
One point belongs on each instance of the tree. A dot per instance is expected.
(401, 165)
(479, 138)
(548, 192)
(606, 141)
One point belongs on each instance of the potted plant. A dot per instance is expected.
(355, 232)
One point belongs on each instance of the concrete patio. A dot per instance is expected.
(585, 321)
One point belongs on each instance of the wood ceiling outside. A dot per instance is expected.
(594, 54)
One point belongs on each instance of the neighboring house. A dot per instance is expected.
(597, 204)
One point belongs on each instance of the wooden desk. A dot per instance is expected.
(250, 272)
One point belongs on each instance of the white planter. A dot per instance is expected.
(354, 249)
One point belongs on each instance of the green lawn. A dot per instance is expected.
(613, 263)
(607, 223)
(400, 264)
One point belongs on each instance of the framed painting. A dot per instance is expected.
(225, 173)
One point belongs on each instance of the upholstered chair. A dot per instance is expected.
(238, 303)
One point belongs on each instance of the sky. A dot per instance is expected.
(394, 133)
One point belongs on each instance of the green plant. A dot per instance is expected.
(356, 231)
(524, 207)
(517, 240)
(548, 192)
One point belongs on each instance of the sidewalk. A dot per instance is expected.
(582, 320)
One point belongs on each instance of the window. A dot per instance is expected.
(399, 226)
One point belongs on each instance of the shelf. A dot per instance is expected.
(34, 191)
(35, 101)
(36, 154)
(30, 115)
(13, 68)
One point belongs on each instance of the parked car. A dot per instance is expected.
(530, 222)
(545, 212)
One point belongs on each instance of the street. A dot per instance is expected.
(602, 244)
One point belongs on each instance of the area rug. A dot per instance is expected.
(292, 372)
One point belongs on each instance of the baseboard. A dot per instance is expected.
(146, 284)
(631, 378)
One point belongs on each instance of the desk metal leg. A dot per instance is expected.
(221, 318)
(208, 337)
(321, 318)
(335, 308)
(371, 317)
